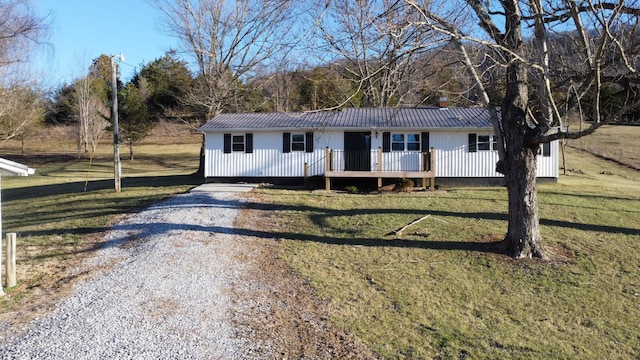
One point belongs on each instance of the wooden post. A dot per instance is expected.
(327, 157)
(306, 175)
(11, 260)
(379, 167)
(432, 168)
(327, 168)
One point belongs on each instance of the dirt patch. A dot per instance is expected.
(285, 315)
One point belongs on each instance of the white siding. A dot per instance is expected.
(267, 160)
(453, 158)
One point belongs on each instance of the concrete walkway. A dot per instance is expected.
(220, 187)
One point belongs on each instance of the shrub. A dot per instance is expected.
(404, 185)
(351, 189)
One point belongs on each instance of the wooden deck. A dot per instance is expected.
(427, 176)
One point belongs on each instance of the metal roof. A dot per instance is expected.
(356, 118)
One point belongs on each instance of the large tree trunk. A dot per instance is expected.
(519, 166)
(523, 239)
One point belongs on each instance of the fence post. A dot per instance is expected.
(11, 260)
(306, 175)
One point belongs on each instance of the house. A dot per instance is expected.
(454, 145)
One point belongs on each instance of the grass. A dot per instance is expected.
(613, 142)
(60, 212)
(436, 292)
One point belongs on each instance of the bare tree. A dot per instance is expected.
(377, 48)
(21, 29)
(91, 113)
(525, 118)
(226, 40)
(21, 107)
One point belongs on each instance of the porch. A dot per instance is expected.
(380, 165)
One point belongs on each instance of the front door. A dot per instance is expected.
(357, 151)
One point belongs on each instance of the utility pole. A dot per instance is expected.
(117, 168)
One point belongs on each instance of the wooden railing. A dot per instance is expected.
(378, 164)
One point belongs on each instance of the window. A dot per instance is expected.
(238, 143)
(482, 143)
(397, 142)
(413, 142)
(297, 142)
(545, 149)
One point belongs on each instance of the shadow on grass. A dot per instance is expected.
(320, 214)
(96, 185)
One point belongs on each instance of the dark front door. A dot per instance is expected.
(357, 151)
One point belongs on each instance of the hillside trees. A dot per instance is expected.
(529, 113)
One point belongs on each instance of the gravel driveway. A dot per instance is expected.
(163, 291)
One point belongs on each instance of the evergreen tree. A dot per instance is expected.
(134, 116)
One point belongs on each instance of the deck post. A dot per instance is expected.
(327, 159)
(327, 168)
(306, 175)
(379, 167)
(432, 169)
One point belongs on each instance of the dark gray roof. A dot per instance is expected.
(356, 118)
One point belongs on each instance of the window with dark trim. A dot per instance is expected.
(482, 143)
(238, 143)
(402, 142)
(297, 142)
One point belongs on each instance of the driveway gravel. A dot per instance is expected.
(163, 291)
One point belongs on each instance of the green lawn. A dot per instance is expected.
(435, 292)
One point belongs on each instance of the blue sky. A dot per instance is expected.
(84, 29)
